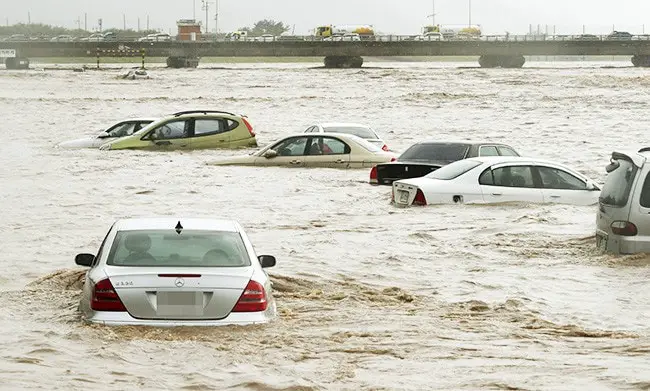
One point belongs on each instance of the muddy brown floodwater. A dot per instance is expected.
(370, 297)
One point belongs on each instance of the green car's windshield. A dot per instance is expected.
(166, 248)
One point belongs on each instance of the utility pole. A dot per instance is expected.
(205, 7)
(29, 18)
(470, 13)
(147, 22)
(124, 21)
(216, 17)
(78, 23)
(194, 10)
(99, 22)
(138, 24)
(86, 21)
(433, 13)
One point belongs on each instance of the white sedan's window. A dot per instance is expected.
(125, 129)
(554, 178)
(513, 176)
(187, 249)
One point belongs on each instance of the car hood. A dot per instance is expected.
(86, 142)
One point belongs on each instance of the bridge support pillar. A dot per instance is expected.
(641, 61)
(182, 62)
(488, 61)
(17, 63)
(343, 62)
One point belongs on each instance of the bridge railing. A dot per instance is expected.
(373, 38)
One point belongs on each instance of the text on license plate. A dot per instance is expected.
(180, 303)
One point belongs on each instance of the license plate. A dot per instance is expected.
(179, 303)
(404, 197)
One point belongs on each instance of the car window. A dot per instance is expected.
(190, 248)
(435, 152)
(505, 151)
(327, 146)
(291, 147)
(645, 193)
(204, 127)
(454, 170)
(488, 151)
(141, 125)
(353, 130)
(101, 248)
(231, 124)
(486, 178)
(513, 176)
(618, 184)
(171, 130)
(554, 178)
(311, 129)
(122, 130)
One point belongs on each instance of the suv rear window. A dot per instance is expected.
(645, 193)
(618, 184)
(454, 170)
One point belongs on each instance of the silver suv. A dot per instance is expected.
(623, 222)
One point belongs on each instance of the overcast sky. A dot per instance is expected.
(388, 16)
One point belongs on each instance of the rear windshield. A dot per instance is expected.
(354, 130)
(454, 170)
(367, 145)
(166, 248)
(435, 152)
(618, 184)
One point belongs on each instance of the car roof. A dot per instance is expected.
(462, 142)
(341, 124)
(515, 159)
(153, 223)
(340, 135)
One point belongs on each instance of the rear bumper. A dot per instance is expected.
(234, 319)
(618, 244)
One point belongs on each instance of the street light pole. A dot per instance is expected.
(205, 7)
(470, 13)
(216, 17)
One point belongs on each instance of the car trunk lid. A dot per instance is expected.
(206, 293)
(388, 173)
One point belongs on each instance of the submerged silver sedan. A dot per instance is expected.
(176, 272)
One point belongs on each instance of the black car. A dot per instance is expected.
(425, 157)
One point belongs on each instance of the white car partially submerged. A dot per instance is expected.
(364, 131)
(495, 180)
(122, 128)
(176, 272)
(334, 150)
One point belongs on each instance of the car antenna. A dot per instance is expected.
(179, 228)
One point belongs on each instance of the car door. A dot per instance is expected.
(510, 183)
(327, 151)
(210, 133)
(290, 152)
(560, 186)
(171, 135)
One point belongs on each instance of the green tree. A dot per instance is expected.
(266, 26)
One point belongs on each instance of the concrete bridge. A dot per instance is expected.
(493, 51)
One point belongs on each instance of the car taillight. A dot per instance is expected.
(105, 298)
(373, 175)
(253, 299)
(385, 148)
(624, 228)
(419, 198)
(249, 126)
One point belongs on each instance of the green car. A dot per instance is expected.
(197, 129)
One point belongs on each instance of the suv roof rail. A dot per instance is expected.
(200, 111)
(646, 149)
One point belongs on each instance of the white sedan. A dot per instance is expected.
(498, 179)
(334, 150)
(176, 272)
(120, 129)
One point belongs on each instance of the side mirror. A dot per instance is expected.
(266, 260)
(270, 154)
(85, 259)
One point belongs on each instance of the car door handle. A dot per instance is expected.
(555, 196)
(295, 162)
(496, 194)
(339, 161)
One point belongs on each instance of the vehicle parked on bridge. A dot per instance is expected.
(623, 217)
(365, 31)
(62, 38)
(176, 272)
(348, 37)
(359, 130)
(619, 36)
(265, 38)
(156, 37)
(194, 129)
(425, 157)
(333, 150)
(120, 129)
(587, 37)
(431, 36)
(496, 180)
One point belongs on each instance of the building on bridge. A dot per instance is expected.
(189, 30)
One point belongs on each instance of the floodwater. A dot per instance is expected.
(370, 297)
